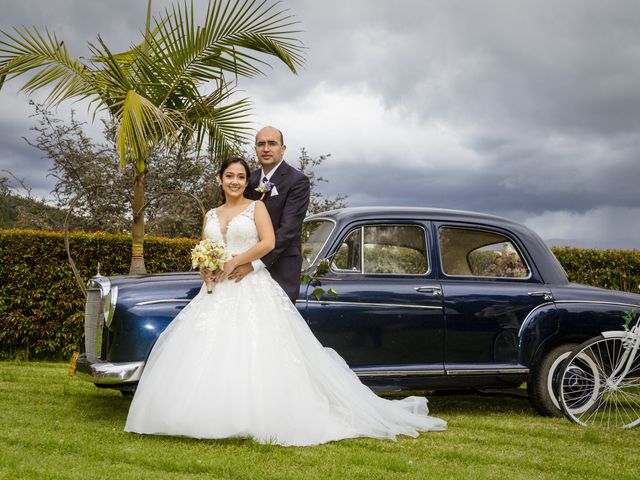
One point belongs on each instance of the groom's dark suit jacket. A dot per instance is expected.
(287, 210)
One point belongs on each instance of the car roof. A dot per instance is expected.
(436, 214)
(548, 265)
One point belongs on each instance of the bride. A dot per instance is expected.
(242, 362)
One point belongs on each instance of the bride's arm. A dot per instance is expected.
(265, 245)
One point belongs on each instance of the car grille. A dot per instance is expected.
(93, 324)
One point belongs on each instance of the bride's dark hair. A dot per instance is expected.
(231, 161)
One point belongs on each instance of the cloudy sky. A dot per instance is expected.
(526, 109)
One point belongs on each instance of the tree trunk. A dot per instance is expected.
(137, 231)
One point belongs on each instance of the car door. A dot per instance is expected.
(387, 314)
(489, 287)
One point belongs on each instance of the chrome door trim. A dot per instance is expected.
(398, 373)
(164, 300)
(370, 304)
(499, 371)
(452, 372)
(603, 302)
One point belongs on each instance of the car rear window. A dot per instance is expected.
(480, 253)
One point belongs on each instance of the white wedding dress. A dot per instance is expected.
(242, 362)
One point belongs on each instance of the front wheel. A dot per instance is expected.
(543, 380)
(593, 388)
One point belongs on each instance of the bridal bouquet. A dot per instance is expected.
(209, 254)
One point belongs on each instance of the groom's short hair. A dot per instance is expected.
(277, 130)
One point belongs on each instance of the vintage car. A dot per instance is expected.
(426, 299)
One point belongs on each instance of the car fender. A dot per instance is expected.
(135, 329)
(584, 319)
(537, 328)
(577, 321)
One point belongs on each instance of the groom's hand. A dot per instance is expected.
(241, 271)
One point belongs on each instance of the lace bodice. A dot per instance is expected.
(241, 234)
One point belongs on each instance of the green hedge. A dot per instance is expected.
(612, 269)
(41, 307)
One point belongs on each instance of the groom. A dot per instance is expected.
(285, 192)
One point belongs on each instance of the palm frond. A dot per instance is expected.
(141, 125)
(225, 126)
(153, 90)
(29, 50)
(230, 31)
(217, 123)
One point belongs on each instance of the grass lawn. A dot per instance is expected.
(56, 427)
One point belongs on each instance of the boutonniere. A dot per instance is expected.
(264, 187)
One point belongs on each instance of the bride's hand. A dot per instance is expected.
(206, 275)
(230, 265)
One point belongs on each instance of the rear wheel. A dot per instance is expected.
(542, 384)
(591, 389)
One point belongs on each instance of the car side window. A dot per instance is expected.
(480, 253)
(398, 249)
(348, 257)
(383, 249)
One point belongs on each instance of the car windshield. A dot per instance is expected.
(314, 235)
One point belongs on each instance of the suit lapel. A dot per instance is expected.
(278, 178)
(254, 181)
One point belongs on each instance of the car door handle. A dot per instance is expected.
(434, 291)
(544, 295)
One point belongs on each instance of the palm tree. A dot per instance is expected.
(171, 87)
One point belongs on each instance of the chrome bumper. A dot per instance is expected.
(108, 373)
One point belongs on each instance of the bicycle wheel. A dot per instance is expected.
(589, 392)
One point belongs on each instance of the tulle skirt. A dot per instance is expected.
(242, 362)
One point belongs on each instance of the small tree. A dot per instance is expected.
(80, 162)
(157, 91)
(318, 202)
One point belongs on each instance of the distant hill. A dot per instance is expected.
(28, 213)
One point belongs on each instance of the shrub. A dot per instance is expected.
(42, 308)
(612, 269)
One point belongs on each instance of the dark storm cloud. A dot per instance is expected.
(526, 109)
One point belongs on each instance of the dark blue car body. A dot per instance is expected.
(411, 310)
